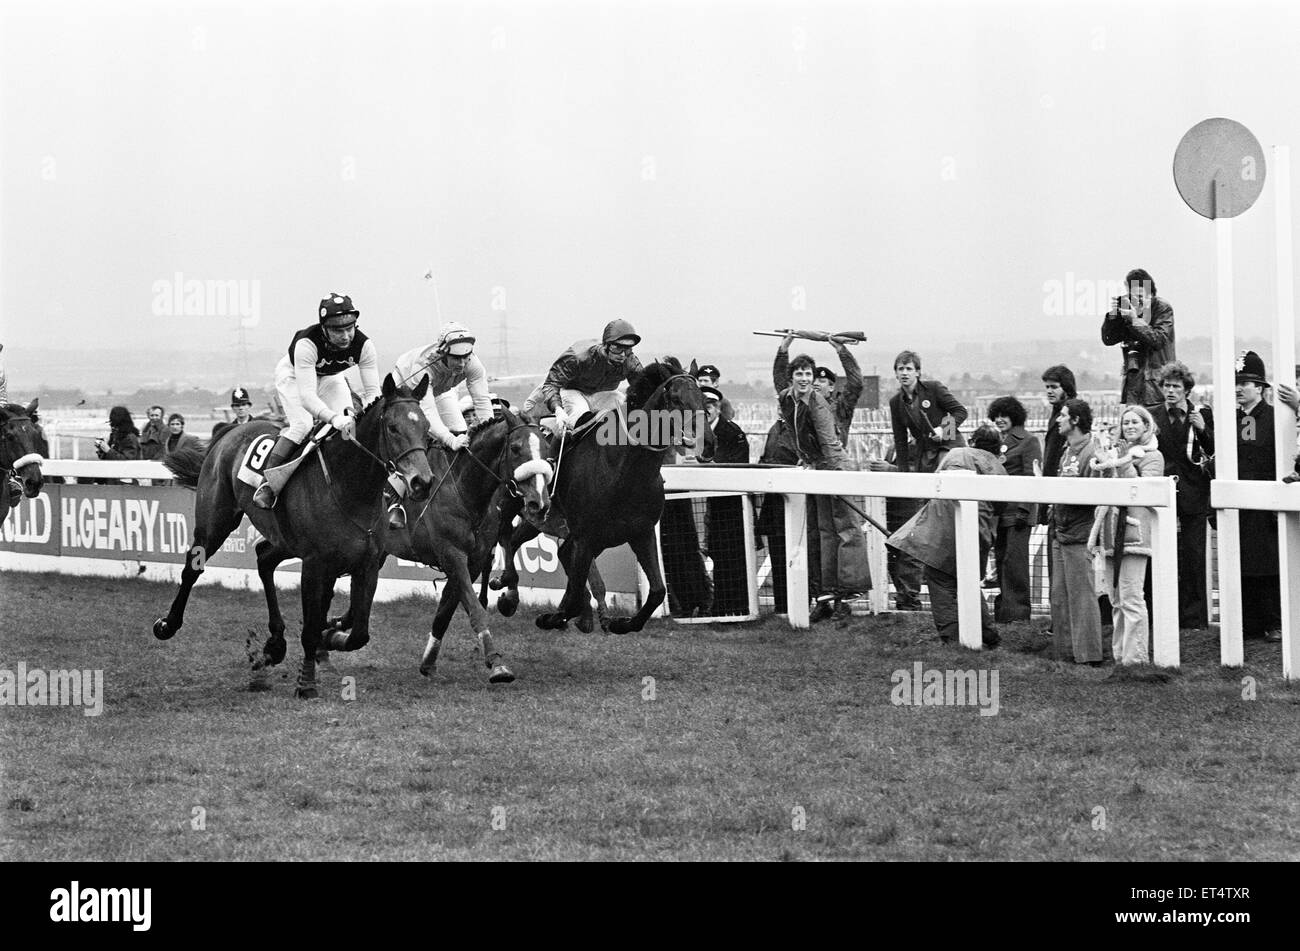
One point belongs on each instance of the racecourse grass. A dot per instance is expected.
(748, 722)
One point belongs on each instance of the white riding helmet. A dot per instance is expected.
(455, 339)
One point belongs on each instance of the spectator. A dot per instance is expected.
(241, 405)
(845, 571)
(1076, 626)
(931, 537)
(724, 517)
(178, 438)
(1143, 325)
(708, 375)
(123, 438)
(844, 400)
(154, 436)
(1185, 433)
(925, 410)
(1020, 453)
(1058, 386)
(1122, 534)
(904, 570)
(1261, 598)
(4, 383)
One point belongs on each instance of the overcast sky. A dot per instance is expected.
(919, 171)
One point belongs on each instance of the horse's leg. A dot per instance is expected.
(315, 582)
(441, 620)
(364, 582)
(647, 554)
(597, 585)
(499, 673)
(324, 630)
(586, 621)
(508, 602)
(576, 590)
(273, 651)
(509, 579)
(215, 517)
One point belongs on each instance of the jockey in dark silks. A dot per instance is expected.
(587, 375)
(448, 361)
(310, 381)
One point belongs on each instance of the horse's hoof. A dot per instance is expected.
(620, 625)
(495, 584)
(604, 624)
(501, 674)
(273, 651)
(508, 603)
(336, 624)
(552, 622)
(322, 657)
(161, 630)
(428, 671)
(305, 693)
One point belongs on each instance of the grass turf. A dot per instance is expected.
(751, 729)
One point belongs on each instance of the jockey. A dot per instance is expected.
(585, 376)
(311, 385)
(446, 362)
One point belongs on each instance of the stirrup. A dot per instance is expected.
(265, 497)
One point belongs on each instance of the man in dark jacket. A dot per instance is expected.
(1185, 433)
(925, 411)
(1018, 452)
(154, 436)
(1143, 325)
(1261, 602)
(586, 376)
(845, 571)
(724, 533)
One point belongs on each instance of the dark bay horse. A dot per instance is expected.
(22, 447)
(328, 515)
(609, 491)
(458, 522)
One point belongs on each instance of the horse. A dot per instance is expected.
(609, 491)
(458, 522)
(328, 515)
(22, 448)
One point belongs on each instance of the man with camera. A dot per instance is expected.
(1143, 325)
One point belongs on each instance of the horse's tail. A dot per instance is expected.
(187, 461)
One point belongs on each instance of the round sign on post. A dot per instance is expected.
(1219, 168)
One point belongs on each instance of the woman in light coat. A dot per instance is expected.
(1122, 535)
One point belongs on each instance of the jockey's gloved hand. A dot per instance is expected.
(345, 424)
(561, 417)
(457, 441)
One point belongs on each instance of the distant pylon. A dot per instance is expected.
(503, 345)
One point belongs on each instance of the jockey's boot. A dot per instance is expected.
(281, 452)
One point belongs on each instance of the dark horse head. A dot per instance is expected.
(672, 397)
(395, 428)
(518, 447)
(22, 445)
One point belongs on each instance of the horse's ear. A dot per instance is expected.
(694, 367)
(389, 386)
(422, 388)
(31, 408)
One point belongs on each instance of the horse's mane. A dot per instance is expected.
(641, 385)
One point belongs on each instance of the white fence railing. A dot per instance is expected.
(967, 489)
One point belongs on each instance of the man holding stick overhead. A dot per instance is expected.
(845, 571)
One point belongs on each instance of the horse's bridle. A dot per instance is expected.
(511, 484)
(5, 435)
(391, 465)
(657, 393)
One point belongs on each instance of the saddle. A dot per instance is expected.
(251, 472)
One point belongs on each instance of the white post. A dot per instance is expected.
(796, 560)
(1284, 419)
(1225, 422)
(878, 556)
(969, 575)
(751, 555)
(1164, 584)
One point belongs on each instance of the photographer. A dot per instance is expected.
(1143, 325)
